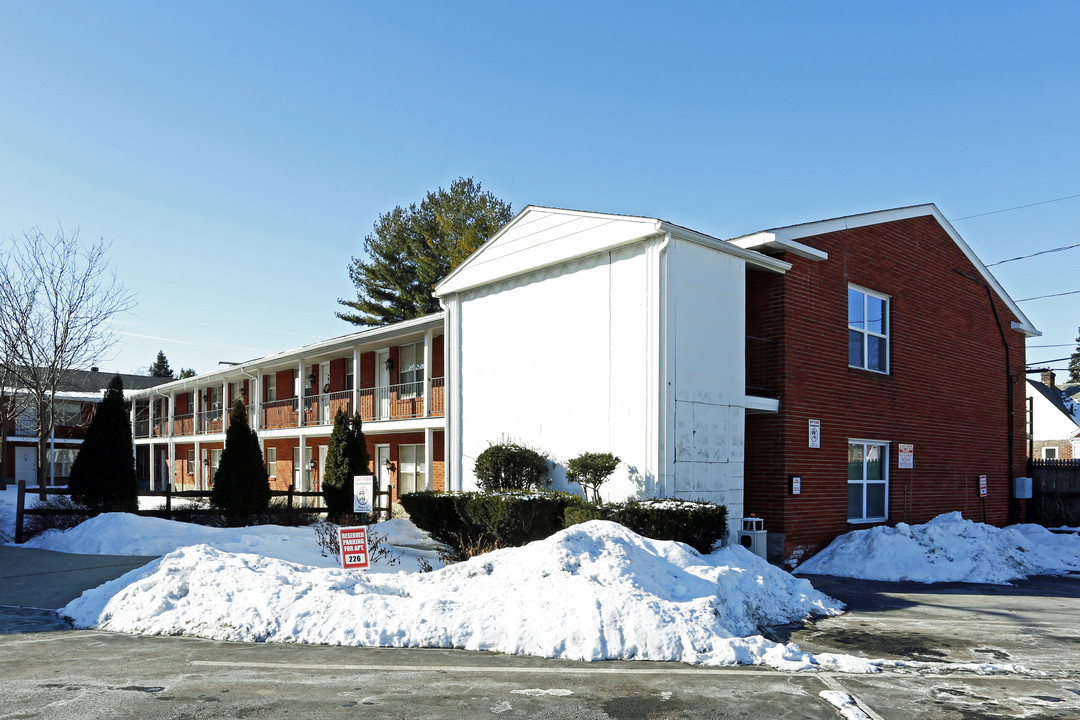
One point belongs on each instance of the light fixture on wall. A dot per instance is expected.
(311, 379)
(326, 387)
(243, 393)
(389, 465)
(389, 363)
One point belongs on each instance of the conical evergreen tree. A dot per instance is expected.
(103, 474)
(241, 485)
(346, 457)
(161, 368)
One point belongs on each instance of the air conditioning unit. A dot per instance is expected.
(753, 536)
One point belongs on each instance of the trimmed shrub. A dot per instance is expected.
(509, 466)
(471, 523)
(241, 485)
(103, 475)
(590, 471)
(698, 524)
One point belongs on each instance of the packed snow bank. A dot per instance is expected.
(947, 549)
(591, 592)
(127, 534)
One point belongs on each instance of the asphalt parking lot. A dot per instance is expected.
(969, 651)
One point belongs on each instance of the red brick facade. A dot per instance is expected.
(942, 328)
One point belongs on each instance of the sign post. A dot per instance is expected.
(354, 548)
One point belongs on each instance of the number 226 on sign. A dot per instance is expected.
(354, 548)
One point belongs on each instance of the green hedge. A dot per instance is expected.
(471, 523)
(698, 524)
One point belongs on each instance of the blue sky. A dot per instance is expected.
(236, 154)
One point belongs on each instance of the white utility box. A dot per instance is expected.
(753, 536)
(1022, 488)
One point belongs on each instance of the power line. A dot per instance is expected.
(1041, 252)
(1061, 345)
(1042, 362)
(1040, 297)
(1018, 207)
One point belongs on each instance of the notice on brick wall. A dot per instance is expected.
(354, 549)
(815, 433)
(982, 486)
(907, 456)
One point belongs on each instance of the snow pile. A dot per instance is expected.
(948, 549)
(127, 534)
(591, 592)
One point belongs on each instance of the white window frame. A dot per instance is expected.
(1053, 452)
(864, 482)
(411, 464)
(886, 322)
(411, 373)
(271, 461)
(270, 381)
(349, 379)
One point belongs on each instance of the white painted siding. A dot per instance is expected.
(560, 360)
(707, 375)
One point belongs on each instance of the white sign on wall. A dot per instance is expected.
(363, 493)
(815, 433)
(907, 456)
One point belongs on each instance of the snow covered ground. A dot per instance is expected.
(948, 549)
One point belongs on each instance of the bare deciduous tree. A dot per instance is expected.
(58, 300)
(12, 404)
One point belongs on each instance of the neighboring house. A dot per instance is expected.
(798, 374)
(391, 375)
(76, 398)
(1055, 419)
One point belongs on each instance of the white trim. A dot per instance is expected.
(885, 459)
(867, 333)
(1055, 448)
(756, 403)
(768, 241)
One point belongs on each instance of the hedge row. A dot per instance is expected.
(474, 522)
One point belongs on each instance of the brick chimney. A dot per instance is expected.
(1048, 377)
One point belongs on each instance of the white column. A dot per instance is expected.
(172, 412)
(52, 456)
(298, 388)
(303, 466)
(198, 467)
(427, 372)
(150, 434)
(429, 445)
(355, 379)
(226, 406)
(257, 389)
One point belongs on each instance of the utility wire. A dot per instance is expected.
(1061, 345)
(1043, 362)
(1040, 297)
(1041, 252)
(1018, 207)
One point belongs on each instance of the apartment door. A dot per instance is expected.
(26, 465)
(324, 388)
(322, 463)
(382, 385)
(382, 475)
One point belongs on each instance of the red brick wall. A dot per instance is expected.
(367, 370)
(285, 386)
(337, 375)
(945, 393)
(1064, 448)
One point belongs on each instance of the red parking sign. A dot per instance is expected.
(353, 544)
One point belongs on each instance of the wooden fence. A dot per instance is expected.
(1055, 492)
(169, 512)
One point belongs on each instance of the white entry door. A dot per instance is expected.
(382, 385)
(382, 454)
(26, 465)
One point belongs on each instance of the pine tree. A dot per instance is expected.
(411, 249)
(161, 368)
(241, 485)
(186, 373)
(1074, 361)
(346, 457)
(103, 474)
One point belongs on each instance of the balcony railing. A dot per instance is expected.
(209, 421)
(762, 365)
(184, 424)
(279, 414)
(323, 408)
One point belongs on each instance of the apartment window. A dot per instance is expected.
(868, 481)
(868, 330)
(61, 460)
(271, 461)
(348, 373)
(411, 469)
(190, 459)
(270, 382)
(411, 364)
(1050, 452)
(67, 413)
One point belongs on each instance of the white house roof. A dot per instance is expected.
(540, 237)
(786, 238)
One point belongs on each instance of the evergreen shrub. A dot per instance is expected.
(471, 523)
(591, 470)
(698, 524)
(102, 477)
(346, 457)
(510, 466)
(241, 485)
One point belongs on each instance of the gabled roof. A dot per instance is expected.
(1056, 397)
(540, 237)
(786, 238)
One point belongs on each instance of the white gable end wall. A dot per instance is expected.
(565, 359)
(706, 375)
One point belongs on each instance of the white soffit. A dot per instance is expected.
(793, 233)
(540, 237)
(768, 241)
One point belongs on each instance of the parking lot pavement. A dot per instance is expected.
(49, 670)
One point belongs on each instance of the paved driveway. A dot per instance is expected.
(47, 670)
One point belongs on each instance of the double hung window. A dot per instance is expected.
(411, 373)
(868, 481)
(868, 330)
(411, 469)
